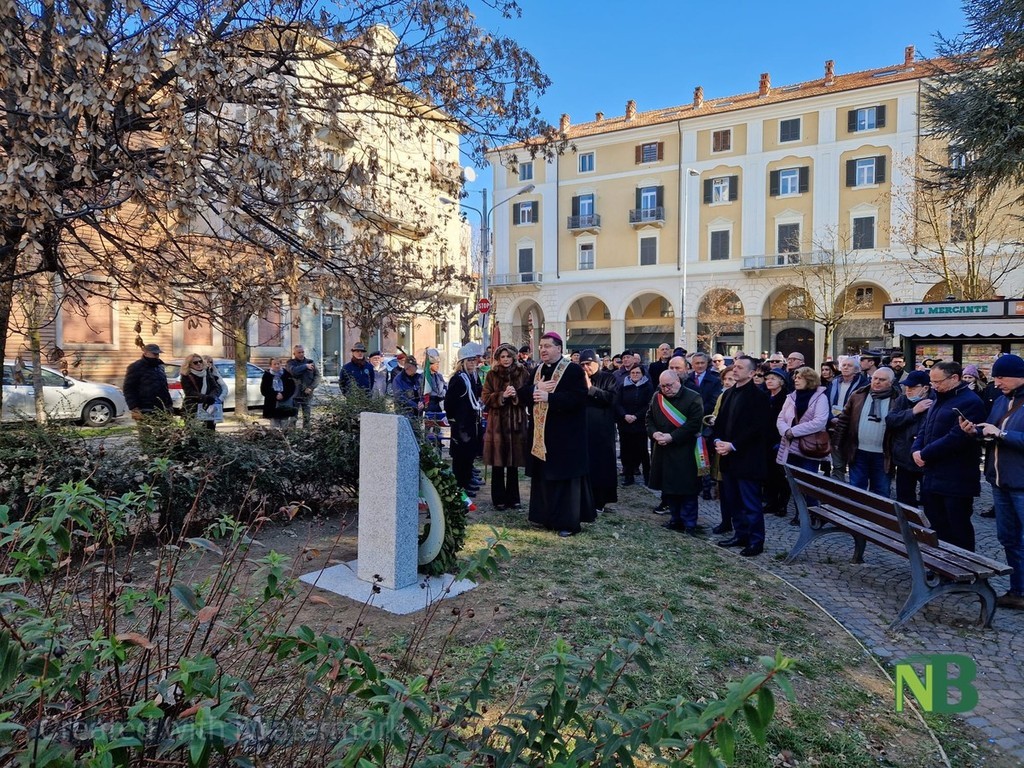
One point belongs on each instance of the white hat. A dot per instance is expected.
(468, 351)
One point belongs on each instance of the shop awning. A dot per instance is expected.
(963, 329)
(589, 341)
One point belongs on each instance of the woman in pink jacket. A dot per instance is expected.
(805, 412)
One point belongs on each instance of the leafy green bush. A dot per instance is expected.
(103, 663)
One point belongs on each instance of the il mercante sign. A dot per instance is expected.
(952, 310)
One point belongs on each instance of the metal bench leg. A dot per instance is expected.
(921, 594)
(859, 542)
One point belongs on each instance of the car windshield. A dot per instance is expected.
(172, 370)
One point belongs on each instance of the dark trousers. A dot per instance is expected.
(505, 486)
(463, 454)
(743, 499)
(683, 509)
(950, 516)
(908, 487)
(634, 454)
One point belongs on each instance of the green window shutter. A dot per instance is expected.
(805, 178)
(707, 190)
(851, 173)
(880, 116)
(880, 169)
(515, 213)
(734, 187)
(851, 121)
(639, 202)
(660, 196)
(536, 211)
(773, 184)
(576, 205)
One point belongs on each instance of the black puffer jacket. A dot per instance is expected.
(901, 427)
(145, 386)
(633, 400)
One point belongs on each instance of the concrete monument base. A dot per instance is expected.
(342, 580)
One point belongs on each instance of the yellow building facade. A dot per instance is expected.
(716, 224)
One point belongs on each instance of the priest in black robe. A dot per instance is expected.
(559, 492)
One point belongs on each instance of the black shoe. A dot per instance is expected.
(722, 528)
(695, 530)
(627, 482)
(674, 525)
(661, 509)
(706, 495)
(733, 542)
(751, 551)
(566, 534)
(989, 512)
(795, 520)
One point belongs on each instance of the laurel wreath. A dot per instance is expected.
(455, 512)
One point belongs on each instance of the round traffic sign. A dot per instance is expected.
(483, 306)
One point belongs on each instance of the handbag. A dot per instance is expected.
(814, 446)
(286, 412)
(214, 413)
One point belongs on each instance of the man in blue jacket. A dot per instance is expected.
(949, 457)
(1004, 468)
(357, 371)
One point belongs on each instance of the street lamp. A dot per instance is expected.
(683, 250)
(485, 245)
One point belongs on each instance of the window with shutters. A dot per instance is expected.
(526, 261)
(719, 250)
(866, 119)
(720, 190)
(648, 251)
(789, 181)
(865, 172)
(863, 232)
(648, 199)
(586, 256)
(526, 171)
(788, 238)
(586, 162)
(525, 213)
(650, 152)
(789, 130)
(721, 141)
(586, 205)
(88, 318)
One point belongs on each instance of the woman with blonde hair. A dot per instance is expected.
(278, 388)
(505, 440)
(203, 391)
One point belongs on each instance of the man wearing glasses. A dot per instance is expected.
(949, 457)
(794, 361)
(673, 423)
(777, 360)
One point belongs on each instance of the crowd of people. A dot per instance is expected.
(687, 425)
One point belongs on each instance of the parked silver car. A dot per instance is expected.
(226, 369)
(66, 398)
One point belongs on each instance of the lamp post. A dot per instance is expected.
(686, 239)
(485, 246)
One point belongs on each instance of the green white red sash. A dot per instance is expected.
(676, 418)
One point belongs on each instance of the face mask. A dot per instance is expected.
(915, 399)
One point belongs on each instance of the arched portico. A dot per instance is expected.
(588, 325)
(720, 322)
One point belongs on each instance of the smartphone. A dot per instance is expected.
(959, 413)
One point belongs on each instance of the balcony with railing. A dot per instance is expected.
(650, 217)
(588, 222)
(517, 280)
(786, 259)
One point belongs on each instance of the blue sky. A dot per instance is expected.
(601, 53)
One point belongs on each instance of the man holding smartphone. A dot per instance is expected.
(949, 457)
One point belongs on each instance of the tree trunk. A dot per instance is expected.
(240, 331)
(35, 345)
(8, 261)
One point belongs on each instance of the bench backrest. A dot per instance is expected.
(877, 509)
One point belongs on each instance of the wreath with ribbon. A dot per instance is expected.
(438, 554)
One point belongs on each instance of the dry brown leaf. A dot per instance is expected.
(134, 638)
(319, 600)
(206, 613)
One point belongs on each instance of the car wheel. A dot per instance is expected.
(97, 413)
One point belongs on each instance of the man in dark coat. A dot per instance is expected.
(660, 365)
(902, 424)
(145, 384)
(708, 384)
(307, 378)
(674, 422)
(559, 492)
(742, 431)
(357, 371)
(631, 403)
(949, 457)
(601, 389)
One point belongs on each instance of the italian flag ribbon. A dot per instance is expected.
(676, 418)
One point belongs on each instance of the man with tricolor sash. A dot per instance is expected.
(674, 423)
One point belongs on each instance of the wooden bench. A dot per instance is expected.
(826, 506)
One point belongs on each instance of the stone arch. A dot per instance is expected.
(649, 319)
(787, 328)
(526, 323)
(862, 326)
(588, 323)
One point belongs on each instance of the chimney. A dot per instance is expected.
(563, 124)
(631, 109)
(765, 87)
(598, 116)
(698, 97)
(830, 72)
(908, 56)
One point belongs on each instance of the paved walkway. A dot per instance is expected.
(866, 598)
